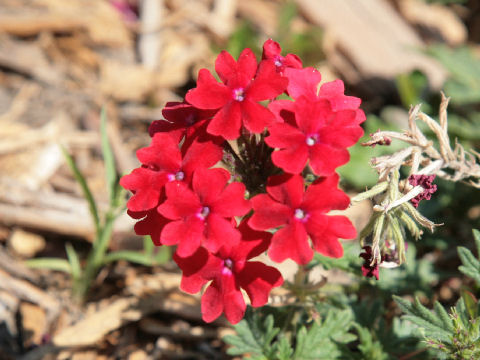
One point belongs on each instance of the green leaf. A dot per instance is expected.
(127, 255)
(74, 261)
(436, 325)
(463, 85)
(254, 337)
(476, 237)
(148, 245)
(108, 158)
(322, 339)
(50, 263)
(471, 303)
(471, 266)
(85, 189)
(370, 348)
(163, 255)
(284, 349)
(350, 262)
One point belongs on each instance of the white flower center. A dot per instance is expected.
(312, 140)
(239, 94)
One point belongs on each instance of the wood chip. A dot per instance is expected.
(34, 322)
(28, 292)
(25, 244)
(438, 20)
(369, 39)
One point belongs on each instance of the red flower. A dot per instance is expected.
(237, 98)
(318, 135)
(181, 119)
(302, 215)
(202, 215)
(272, 51)
(229, 270)
(426, 182)
(369, 270)
(162, 162)
(304, 82)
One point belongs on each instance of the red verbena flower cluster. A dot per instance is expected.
(223, 176)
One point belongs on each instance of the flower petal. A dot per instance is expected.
(152, 224)
(225, 66)
(302, 82)
(208, 184)
(324, 195)
(268, 84)
(193, 267)
(209, 94)
(258, 280)
(219, 232)
(231, 202)
(252, 243)
(147, 186)
(291, 160)
(227, 122)
(256, 117)
(233, 303)
(247, 65)
(334, 92)
(286, 189)
(162, 154)
(212, 303)
(201, 155)
(291, 242)
(283, 111)
(268, 213)
(271, 49)
(311, 115)
(181, 201)
(325, 231)
(187, 234)
(324, 159)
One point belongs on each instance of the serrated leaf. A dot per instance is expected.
(254, 336)
(284, 349)
(471, 266)
(370, 348)
(322, 339)
(434, 325)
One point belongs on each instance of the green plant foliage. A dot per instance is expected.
(435, 324)
(258, 338)
(244, 36)
(377, 340)
(463, 85)
(454, 334)
(414, 276)
(471, 265)
(349, 262)
(323, 339)
(254, 336)
(412, 88)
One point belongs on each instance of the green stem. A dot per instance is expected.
(95, 259)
